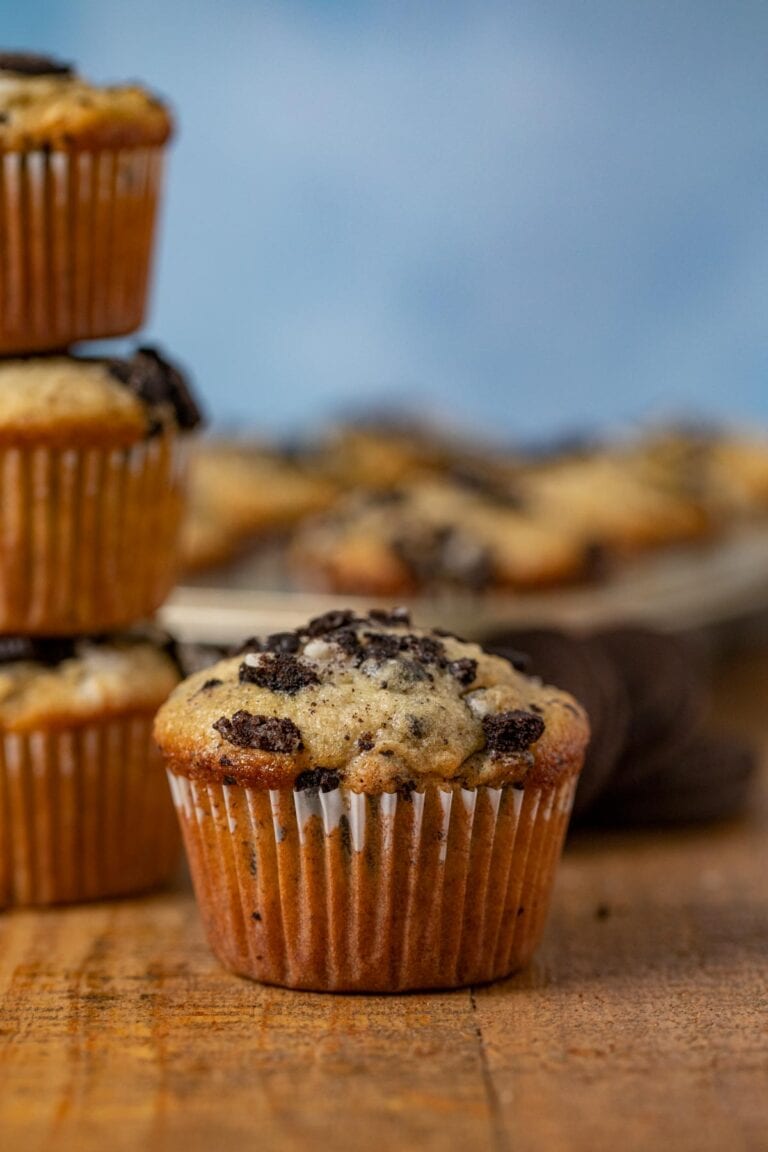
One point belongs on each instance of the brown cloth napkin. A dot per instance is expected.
(651, 759)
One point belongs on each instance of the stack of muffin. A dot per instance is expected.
(90, 504)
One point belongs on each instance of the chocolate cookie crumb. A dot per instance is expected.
(425, 648)
(365, 742)
(256, 916)
(158, 383)
(282, 642)
(379, 646)
(279, 672)
(393, 616)
(324, 779)
(331, 621)
(49, 650)
(464, 670)
(267, 733)
(33, 64)
(347, 640)
(417, 727)
(514, 731)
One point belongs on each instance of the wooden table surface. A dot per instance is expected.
(643, 1022)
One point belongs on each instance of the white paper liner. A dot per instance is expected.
(76, 239)
(88, 536)
(339, 891)
(84, 813)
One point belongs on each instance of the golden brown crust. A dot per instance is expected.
(64, 112)
(379, 707)
(76, 402)
(60, 400)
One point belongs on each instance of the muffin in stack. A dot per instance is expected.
(91, 467)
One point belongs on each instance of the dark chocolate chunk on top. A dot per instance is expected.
(267, 733)
(330, 621)
(156, 382)
(464, 670)
(50, 650)
(280, 672)
(513, 731)
(33, 64)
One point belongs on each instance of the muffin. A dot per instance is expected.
(91, 460)
(84, 810)
(81, 172)
(380, 452)
(725, 469)
(433, 536)
(243, 492)
(606, 498)
(371, 807)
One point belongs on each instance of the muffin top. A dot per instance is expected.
(45, 104)
(58, 682)
(371, 703)
(444, 533)
(74, 401)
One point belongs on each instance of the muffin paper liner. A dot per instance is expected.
(84, 813)
(76, 232)
(340, 891)
(88, 536)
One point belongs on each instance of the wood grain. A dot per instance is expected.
(642, 1023)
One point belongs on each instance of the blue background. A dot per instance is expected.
(523, 216)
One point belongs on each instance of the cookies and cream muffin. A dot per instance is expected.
(605, 498)
(82, 815)
(435, 535)
(44, 103)
(725, 469)
(91, 465)
(344, 788)
(242, 492)
(80, 180)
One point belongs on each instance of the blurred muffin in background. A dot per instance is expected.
(609, 499)
(80, 182)
(390, 451)
(725, 470)
(243, 492)
(435, 535)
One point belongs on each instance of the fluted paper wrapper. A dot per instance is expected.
(88, 536)
(84, 813)
(339, 891)
(76, 238)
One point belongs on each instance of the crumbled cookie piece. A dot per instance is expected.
(513, 731)
(465, 670)
(267, 733)
(278, 671)
(317, 779)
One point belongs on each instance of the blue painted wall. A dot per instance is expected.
(526, 216)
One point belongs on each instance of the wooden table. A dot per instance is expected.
(642, 1024)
